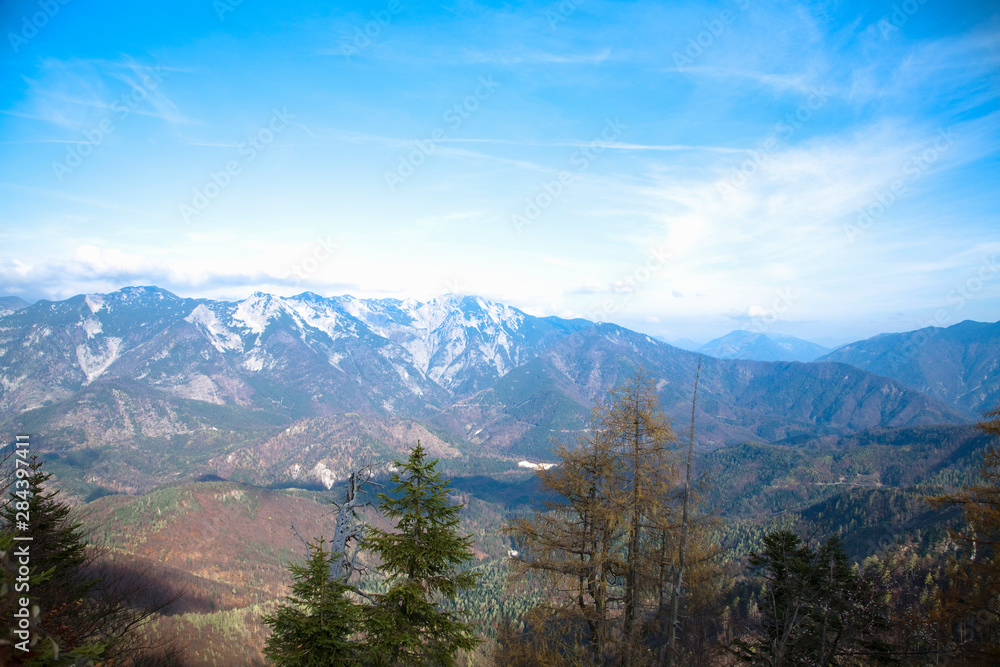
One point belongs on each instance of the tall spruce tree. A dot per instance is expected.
(421, 561)
(87, 609)
(59, 582)
(319, 628)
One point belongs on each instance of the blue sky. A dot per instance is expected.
(827, 170)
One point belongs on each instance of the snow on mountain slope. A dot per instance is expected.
(256, 311)
(11, 304)
(218, 335)
(320, 354)
(455, 341)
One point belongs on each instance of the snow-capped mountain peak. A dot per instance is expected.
(343, 351)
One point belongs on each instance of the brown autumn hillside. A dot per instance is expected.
(227, 547)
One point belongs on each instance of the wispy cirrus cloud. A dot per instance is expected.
(726, 161)
(75, 93)
(537, 57)
(93, 269)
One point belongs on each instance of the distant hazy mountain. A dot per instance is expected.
(684, 344)
(10, 304)
(762, 347)
(959, 364)
(738, 400)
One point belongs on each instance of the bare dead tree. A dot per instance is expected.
(349, 528)
(675, 594)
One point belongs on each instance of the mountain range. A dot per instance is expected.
(9, 304)
(742, 344)
(959, 364)
(133, 388)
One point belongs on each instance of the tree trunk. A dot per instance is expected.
(679, 575)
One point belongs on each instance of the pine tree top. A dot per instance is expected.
(426, 546)
(57, 540)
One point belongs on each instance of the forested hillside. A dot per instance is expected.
(140, 387)
(227, 546)
(958, 364)
(212, 477)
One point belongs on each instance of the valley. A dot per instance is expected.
(192, 434)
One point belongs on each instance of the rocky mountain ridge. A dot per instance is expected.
(959, 364)
(130, 389)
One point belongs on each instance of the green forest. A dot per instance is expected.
(635, 549)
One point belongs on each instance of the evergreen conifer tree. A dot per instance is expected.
(421, 560)
(82, 610)
(815, 608)
(319, 628)
(59, 584)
